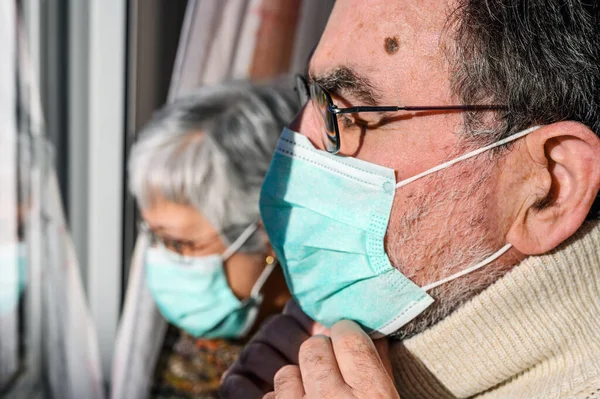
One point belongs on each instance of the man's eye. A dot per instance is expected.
(349, 122)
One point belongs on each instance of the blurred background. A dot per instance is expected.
(78, 78)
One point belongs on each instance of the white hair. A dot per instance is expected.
(211, 150)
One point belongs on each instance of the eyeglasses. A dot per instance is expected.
(180, 250)
(329, 112)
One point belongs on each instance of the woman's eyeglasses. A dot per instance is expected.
(180, 249)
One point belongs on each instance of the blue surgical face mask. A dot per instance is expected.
(193, 293)
(326, 216)
(13, 272)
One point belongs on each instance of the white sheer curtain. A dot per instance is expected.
(72, 361)
(220, 40)
(48, 343)
(9, 252)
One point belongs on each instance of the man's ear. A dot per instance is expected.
(561, 184)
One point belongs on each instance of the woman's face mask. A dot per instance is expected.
(193, 294)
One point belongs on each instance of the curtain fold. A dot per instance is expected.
(9, 253)
(52, 338)
(220, 40)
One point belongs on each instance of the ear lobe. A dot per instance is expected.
(560, 188)
(268, 247)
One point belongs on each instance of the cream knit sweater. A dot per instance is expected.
(535, 333)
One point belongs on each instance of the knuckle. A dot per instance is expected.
(286, 372)
(286, 375)
(314, 344)
(352, 343)
(315, 358)
(363, 380)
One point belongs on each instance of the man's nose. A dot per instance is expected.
(307, 123)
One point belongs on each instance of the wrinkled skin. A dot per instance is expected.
(534, 195)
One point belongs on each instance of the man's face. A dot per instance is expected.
(396, 53)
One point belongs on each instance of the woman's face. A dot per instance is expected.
(184, 230)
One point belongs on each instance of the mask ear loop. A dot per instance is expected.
(467, 156)
(256, 297)
(445, 165)
(241, 240)
(469, 269)
(255, 292)
(262, 279)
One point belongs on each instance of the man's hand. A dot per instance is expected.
(274, 346)
(347, 365)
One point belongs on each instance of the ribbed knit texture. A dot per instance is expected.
(535, 333)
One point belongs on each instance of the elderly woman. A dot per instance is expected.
(196, 172)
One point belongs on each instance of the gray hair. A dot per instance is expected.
(540, 58)
(211, 150)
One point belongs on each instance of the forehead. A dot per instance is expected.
(176, 219)
(394, 43)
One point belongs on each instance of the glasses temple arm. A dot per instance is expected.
(351, 110)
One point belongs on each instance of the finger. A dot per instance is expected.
(236, 386)
(319, 329)
(288, 383)
(276, 344)
(262, 361)
(358, 360)
(383, 350)
(270, 395)
(321, 376)
(285, 335)
(309, 325)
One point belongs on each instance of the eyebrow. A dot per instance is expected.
(346, 79)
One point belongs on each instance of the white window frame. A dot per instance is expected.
(97, 92)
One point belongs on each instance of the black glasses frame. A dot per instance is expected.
(334, 110)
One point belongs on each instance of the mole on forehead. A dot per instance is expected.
(391, 45)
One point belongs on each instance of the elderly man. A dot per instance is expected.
(463, 226)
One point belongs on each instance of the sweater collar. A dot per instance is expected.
(543, 312)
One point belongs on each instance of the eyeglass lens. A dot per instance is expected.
(329, 131)
(301, 89)
(176, 250)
